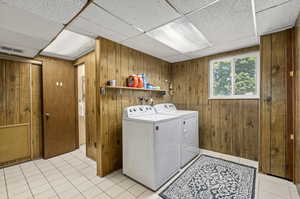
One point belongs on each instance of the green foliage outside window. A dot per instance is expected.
(245, 76)
(222, 78)
(235, 76)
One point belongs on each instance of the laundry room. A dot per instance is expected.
(149, 99)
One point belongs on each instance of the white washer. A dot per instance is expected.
(189, 130)
(151, 146)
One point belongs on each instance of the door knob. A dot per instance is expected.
(47, 115)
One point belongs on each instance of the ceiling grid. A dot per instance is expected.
(226, 24)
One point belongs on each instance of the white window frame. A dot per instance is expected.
(239, 56)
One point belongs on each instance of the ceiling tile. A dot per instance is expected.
(105, 20)
(176, 58)
(20, 21)
(225, 20)
(185, 6)
(228, 46)
(70, 44)
(18, 39)
(82, 26)
(150, 46)
(145, 14)
(278, 18)
(27, 52)
(262, 5)
(54, 10)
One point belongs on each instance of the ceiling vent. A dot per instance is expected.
(9, 49)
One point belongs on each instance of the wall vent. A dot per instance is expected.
(9, 49)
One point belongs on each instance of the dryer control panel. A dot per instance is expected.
(165, 108)
(140, 110)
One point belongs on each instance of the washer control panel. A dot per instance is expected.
(139, 110)
(165, 108)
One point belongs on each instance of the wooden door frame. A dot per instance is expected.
(291, 97)
(294, 100)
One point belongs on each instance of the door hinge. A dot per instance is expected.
(292, 136)
(292, 73)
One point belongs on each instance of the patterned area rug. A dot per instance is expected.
(212, 178)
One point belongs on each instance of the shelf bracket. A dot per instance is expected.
(102, 90)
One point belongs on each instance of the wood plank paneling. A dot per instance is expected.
(89, 60)
(226, 126)
(115, 61)
(36, 112)
(2, 93)
(279, 104)
(25, 92)
(265, 113)
(15, 92)
(12, 92)
(15, 109)
(276, 104)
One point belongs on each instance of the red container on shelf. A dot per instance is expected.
(140, 82)
(133, 81)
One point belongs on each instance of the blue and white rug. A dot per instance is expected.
(213, 178)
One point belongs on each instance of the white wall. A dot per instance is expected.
(81, 104)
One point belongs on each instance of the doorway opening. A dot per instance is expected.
(81, 107)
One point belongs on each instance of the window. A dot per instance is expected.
(235, 77)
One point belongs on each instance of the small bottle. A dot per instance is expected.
(145, 80)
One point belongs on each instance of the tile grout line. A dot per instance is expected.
(114, 183)
(66, 177)
(5, 184)
(26, 181)
(84, 175)
(46, 180)
(120, 183)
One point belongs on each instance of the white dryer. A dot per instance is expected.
(189, 130)
(151, 146)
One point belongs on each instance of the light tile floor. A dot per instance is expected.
(73, 175)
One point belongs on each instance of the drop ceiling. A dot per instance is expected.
(30, 25)
(226, 24)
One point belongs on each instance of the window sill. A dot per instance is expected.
(234, 98)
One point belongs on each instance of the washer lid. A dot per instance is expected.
(153, 118)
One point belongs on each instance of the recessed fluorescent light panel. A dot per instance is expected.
(180, 35)
(69, 45)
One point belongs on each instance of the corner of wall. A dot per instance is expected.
(298, 21)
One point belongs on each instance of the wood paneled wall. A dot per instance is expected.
(297, 104)
(14, 110)
(20, 105)
(15, 93)
(276, 147)
(226, 126)
(89, 60)
(117, 62)
(36, 113)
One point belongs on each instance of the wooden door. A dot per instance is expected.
(277, 104)
(59, 107)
